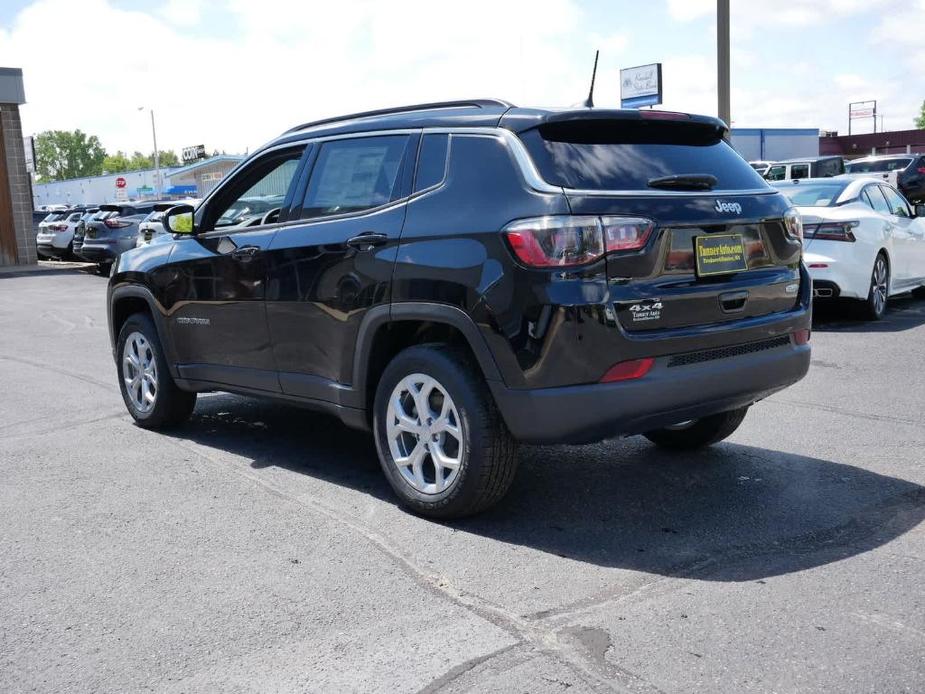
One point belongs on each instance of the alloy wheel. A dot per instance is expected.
(878, 284)
(139, 371)
(425, 434)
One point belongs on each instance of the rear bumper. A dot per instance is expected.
(666, 395)
(98, 253)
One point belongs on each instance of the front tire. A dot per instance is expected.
(148, 390)
(875, 306)
(442, 443)
(698, 433)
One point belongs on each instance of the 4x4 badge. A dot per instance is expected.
(645, 310)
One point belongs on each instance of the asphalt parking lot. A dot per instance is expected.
(259, 549)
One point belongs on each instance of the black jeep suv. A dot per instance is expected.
(459, 277)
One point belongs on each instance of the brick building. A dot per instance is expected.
(17, 245)
(891, 142)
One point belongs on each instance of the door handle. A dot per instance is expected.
(367, 240)
(245, 252)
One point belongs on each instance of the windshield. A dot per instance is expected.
(877, 165)
(812, 194)
(627, 154)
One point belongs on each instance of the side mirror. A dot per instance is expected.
(919, 210)
(178, 219)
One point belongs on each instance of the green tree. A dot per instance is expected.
(920, 120)
(114, 163)
(62, 154)
(169, 158)
(139, 161)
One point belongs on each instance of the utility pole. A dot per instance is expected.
(157, 157)
(722, 60)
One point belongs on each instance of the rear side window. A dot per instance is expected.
(354, 175)
(799, 171)
(431, 162)
(876, 199)
(626, 154)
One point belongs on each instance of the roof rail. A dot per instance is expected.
(472, 103)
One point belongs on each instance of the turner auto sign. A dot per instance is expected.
(641, 86)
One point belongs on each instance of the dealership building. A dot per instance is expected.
(192, 181)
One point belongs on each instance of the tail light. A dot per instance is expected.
(57, 227)
(832, 231)
(801, 337)
(567, 241)
(921, 169)
(116, 223)
(793, 224)
(628, 370)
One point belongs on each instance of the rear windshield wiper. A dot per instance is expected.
(684, 182)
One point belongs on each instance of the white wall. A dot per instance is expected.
(96, 189)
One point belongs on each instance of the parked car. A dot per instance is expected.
(905, 172)
(109, 235)
(460, 277)
(863, 240)
(761, 166)
(151, 230)
(808, 167)
(56, 233)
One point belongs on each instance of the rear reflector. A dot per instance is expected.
(818, 266)
(628, 370)
(801, 337)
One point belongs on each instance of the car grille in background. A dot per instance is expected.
(726, 352)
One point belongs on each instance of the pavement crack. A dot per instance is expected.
(844, 411)
(63, 372)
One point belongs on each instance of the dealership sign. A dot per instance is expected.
(194, 153)
(641, 86)
(862, 109)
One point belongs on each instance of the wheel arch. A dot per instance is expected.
(127, 300)
(386, 330)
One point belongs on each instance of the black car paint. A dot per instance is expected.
(299, 319)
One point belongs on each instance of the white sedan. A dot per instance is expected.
(862, 239)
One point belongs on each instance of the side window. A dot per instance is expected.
(432, 159)
(799, 171)
(877, 201)
(254, 195)
(354, 175)
(897, 204)
(776, 173)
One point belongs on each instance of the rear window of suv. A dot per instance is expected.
(877, 165)
(626, 154)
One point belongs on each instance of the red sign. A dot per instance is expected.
(120, 182)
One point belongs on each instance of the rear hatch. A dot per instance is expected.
(719, 250)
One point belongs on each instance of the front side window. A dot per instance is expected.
(259, 190)
(776, 173)
(897, 204)
(355, 175)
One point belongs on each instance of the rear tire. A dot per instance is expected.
(875, 306)
(148, 390)
(434, 414)
(698, 433)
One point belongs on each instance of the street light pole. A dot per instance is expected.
(722, 60)
(157, 157)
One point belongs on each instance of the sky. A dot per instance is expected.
(232, 74)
